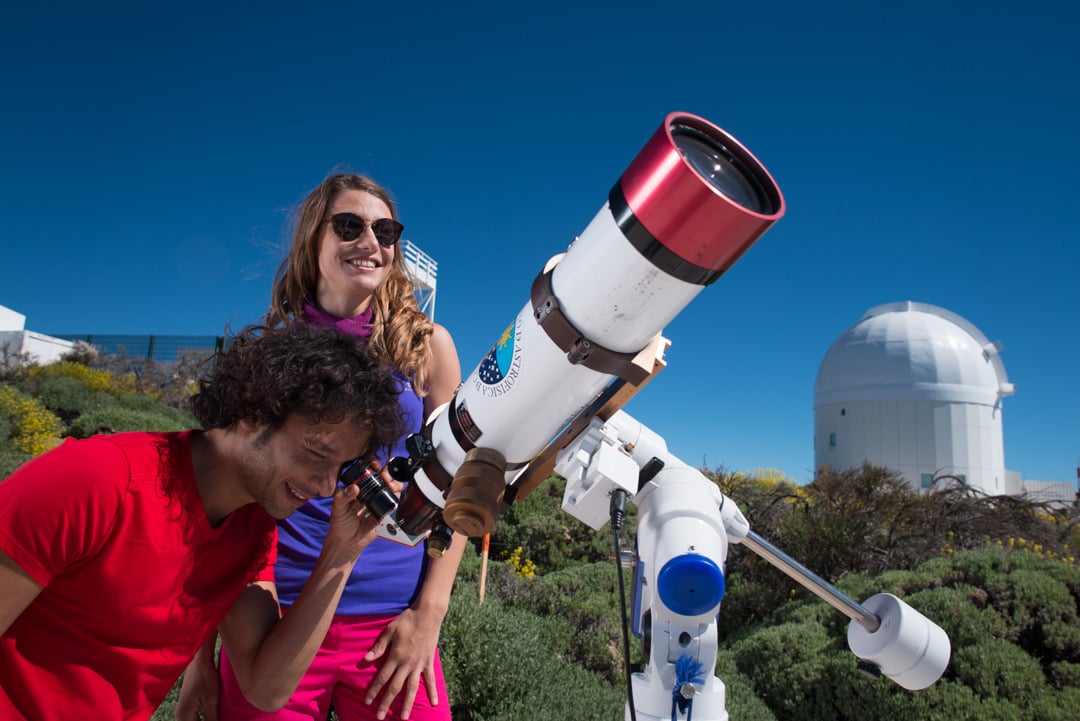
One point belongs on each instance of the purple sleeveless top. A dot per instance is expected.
(387, 576)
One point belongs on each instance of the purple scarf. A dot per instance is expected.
(359, 326)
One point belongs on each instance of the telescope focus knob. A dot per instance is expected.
(473, 502)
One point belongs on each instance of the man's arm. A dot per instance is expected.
(200, 688)
(17, 591)
(270, 655)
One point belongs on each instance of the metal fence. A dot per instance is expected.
(158, 348)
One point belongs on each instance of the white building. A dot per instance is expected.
(914, 388)
(14, 338)
(918, 389)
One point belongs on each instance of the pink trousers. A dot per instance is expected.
(337, 675)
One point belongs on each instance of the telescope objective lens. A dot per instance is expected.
(721, 168)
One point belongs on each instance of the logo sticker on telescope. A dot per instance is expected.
(501, 366)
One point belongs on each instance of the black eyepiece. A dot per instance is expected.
(373, 492)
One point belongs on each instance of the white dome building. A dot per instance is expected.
(914, 388)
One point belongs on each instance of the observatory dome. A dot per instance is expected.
(912, 351)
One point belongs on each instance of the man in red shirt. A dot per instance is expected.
(120, 555)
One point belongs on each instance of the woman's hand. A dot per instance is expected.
(408, 644)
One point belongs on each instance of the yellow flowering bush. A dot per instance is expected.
(34, 428)
(1037, 549)
(947, 548)
(523, 567)
(1064, 524)
(764, 480)
(94, 379)
(1021, 545)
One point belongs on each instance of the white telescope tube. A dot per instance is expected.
(688, 206)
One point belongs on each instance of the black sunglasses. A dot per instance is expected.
(349, 226)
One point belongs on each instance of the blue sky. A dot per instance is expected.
(151, 152)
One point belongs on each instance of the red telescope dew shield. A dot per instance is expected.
(691, 186)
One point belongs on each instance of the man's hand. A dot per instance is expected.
(200, 688)
(352, 526)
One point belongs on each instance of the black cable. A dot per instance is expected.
(618, 518)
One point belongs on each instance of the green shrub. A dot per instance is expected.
(1009, 616)
(862, 586)
(499, 666)
(743, 703)
(1043, 614)
(586, 599)
(801, 675)
(849, 520)
(962, 612)
(550, 538)
(69, 398)
(148, 404)
(10, 458)
(786, 662)
(995, 668)
(882, 700)
(116, 419)
(1064, 674)
(580, 605)
(1057, 705)
(752, 594)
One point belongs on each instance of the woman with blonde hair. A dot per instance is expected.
(380, 657)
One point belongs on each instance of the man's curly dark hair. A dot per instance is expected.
(268, 375)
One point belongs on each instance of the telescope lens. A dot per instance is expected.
(721, 168)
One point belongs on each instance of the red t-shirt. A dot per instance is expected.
(134, 577)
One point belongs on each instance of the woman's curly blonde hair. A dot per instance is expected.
(401, 333)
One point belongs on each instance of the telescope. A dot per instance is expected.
(687, 207)
(547, 398)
